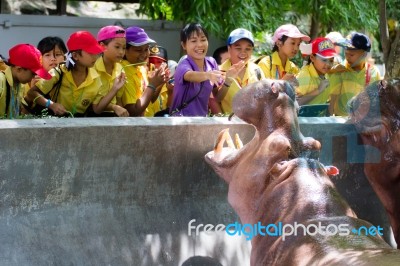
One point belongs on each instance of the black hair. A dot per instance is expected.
(48, 44)
(106, 41)
(128, 46)
(188, 30)
(217, 53)
(283, 40)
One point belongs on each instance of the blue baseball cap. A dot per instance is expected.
(356, 41)
(239, 34)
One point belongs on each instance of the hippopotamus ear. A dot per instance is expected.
(283, 86)
(275, 88)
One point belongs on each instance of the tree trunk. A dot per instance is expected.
(384, 31)
(393, 62)
(314, 28)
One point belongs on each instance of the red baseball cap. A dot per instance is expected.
(84, 40)
(323, 47)
(29, 57)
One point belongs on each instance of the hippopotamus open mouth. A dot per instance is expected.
(273, 179)
(270, 107)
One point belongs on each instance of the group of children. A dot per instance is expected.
(104, 76)
(123, 72)
(326, 79)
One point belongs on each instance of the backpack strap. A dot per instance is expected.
(8, 94)
(258, 73)
(56, 87)
(367, 74)
(258, 59)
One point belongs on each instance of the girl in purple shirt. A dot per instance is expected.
(196, 75)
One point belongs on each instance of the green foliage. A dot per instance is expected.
(393, 9)
(220, 17)
(342, 16)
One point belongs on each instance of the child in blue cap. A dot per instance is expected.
(349, 79)
(240, 71)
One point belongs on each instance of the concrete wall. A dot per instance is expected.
(121, 191)
(32, 28)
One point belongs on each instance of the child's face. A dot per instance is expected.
(156, 61)
(115, 50)
(224, 56)
(24, 75)
(322, 65)
(52, 58)
(240, 51)
(85, 59)
(353, 56)
(137, 54)
(290, 47)
(196, 46)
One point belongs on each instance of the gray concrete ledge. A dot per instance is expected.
(121, 191)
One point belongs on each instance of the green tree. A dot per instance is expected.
(219, 17)
(315, 17)
(222, 16)
(332, 15)
(389, 33)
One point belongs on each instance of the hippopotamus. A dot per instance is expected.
(276, 178)
(275, 140)
(375, 112)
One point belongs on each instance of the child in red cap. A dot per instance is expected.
(312, 78)
(81, 86)
(112, 39)
(24, 63)
(157, 58)
(53, 52)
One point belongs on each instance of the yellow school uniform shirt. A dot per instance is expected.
(275, 69)
(345, 83)
(309, 81)
(16, 95)
(159, 104)
(137, 80)
(252, 74)
(106, 79)
(74, 99)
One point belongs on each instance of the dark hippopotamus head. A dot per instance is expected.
(375, 113)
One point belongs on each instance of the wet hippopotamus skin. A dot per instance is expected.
(273, 179)
(376, 115)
